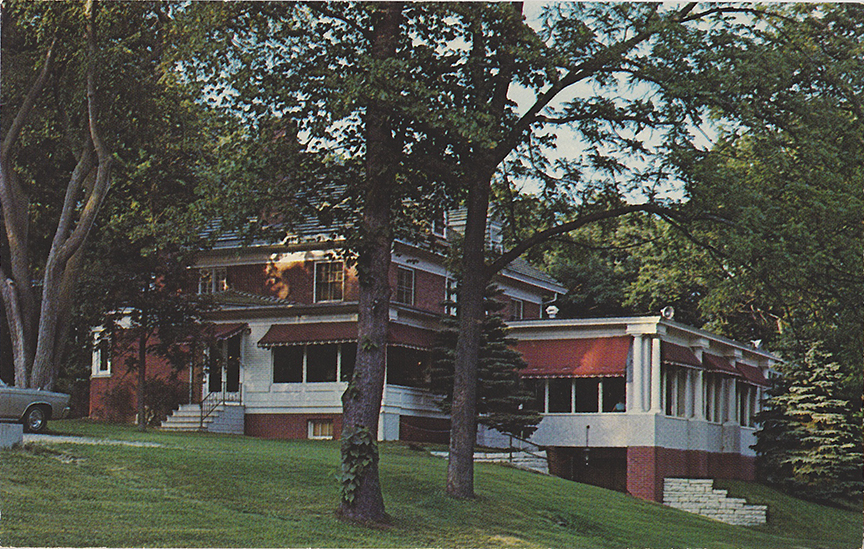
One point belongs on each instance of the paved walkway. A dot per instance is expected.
(62, 439)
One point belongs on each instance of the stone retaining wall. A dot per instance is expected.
(699, 496)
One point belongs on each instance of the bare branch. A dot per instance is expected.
(542, 236)
(27, 106)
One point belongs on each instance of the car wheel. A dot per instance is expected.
(35, 420)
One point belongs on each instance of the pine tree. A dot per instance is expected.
(810, 440)
(503, 403)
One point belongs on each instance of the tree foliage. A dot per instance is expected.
(88, 106)
(809, 440)
(503, 403)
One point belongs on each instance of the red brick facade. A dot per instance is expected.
(647, 466)
(296, 426)
(287, 426)
(114, 397)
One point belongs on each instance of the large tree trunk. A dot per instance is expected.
(463, 430)
(36, 330)
(362, 499)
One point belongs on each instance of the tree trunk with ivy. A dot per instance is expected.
(362, 499)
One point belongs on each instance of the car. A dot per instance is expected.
(32, 407)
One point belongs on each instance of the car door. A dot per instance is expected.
(14, 401)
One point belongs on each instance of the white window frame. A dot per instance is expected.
(305, 367)
(405, 294)
(98, 348)
(317, 283)
(312, 423)
(212, 280)
(438, 226)
(517, 309)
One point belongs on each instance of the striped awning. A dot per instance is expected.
(752, 374)
(595, 357)
(311, 333)
(221, 332)
(715, 363)
(671, 353)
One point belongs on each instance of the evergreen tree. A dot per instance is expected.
(503, 403)
(810, 440)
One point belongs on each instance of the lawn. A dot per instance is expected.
(198, 490)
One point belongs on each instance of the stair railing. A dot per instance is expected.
(216, 398)
(525, 450)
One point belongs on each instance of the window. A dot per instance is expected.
(537, 388)
(587, 395)
(321, 363)
(314, 363)
(439, 224)
(614, 394)
(347, 358)
(213, 280)
(101, 355)
(404, 286)
(329, 278)
(675, 392)
(714, 394)
(408, 367)
(747, 397)
(560, 396)
(288, 364)
(320, 429)
(517, 309)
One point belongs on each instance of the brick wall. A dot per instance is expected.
(114, 397)
(287, 426)
(647, 466)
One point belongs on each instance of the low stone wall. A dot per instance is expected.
(699, 496)
(11, 434)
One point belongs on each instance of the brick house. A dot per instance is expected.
(627, 402)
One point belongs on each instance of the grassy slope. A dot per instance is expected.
(207, 491)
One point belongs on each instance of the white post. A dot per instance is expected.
(732, 402)
(637, 402)
(546, 396)
(699, 396)
(655, 374)
(599, 396)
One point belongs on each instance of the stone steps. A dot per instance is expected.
(225, 418)
(699, 496)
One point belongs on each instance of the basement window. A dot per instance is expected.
(320, 429)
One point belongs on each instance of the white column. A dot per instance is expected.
(732, 404)
(655, 374)
(637, 403)
(599, 396)
(688, 392)
(699, 395)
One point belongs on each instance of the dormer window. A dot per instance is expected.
(212, 280)
(439, 225)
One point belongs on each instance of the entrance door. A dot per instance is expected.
(214, 371)
(232, 364)
(223, 369)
